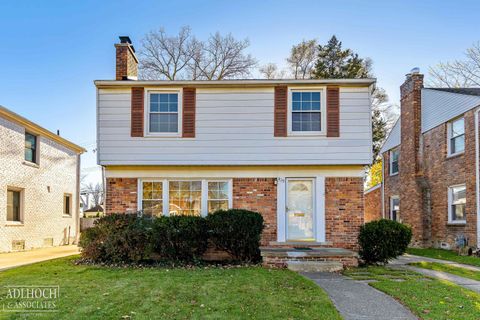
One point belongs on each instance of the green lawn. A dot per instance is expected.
(88, 292)
(427, 298)
(462, 272)
(445, 255)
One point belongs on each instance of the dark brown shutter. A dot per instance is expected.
(137, 112)
(333, 112)
(280, 112)
(188, 123)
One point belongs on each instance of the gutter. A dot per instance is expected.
(477, 175)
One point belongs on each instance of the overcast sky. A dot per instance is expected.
(51, 51)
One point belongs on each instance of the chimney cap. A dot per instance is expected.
(125, 39)
(415, 70)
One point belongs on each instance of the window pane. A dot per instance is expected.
(458, 212)
(29, 155)
(316, 96)
(459, 195)
(458, 127)
(306, 121)
(296, 105)
(157, 188)
(163, 122)
(173, 97)
(296, 96)
(163, 107)
(316, 105)
(218, 190)
(306, 105)
(152, 207)
(215, 205)
(30, 147)
(306, 96)
(458, 144)
(185, 197)
(13, 205)
(147, 190)
(173, 107)
(163, 97)
(67, 205)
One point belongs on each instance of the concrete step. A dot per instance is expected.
(315, 266)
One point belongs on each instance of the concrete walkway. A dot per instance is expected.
(356, 300)
(403, 261)
(17, 259)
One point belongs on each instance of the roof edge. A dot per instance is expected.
(246, 82)
(35, 128)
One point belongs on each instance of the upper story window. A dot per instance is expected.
(306, 112)
(30, 147)
(163, 115)
(457, 200)
(456, 136)
(394, 156)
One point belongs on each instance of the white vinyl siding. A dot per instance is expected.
(234, 127)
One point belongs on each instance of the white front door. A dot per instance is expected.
(300, 209)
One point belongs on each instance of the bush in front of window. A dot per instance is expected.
(383, 240)
(118, 238)
(238, 232)
(179, 238)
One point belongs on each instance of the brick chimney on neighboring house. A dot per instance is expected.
(413, 187)
(127, 62)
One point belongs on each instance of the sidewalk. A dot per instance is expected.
(17, 259)
(408, 258)
(357, 300)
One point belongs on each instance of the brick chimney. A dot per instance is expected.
(413, 187)
(126, 60)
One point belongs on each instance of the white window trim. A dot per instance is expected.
(22, 206)
(323, 113)
(146, 112)
(390, 160)
(166, 197)
(449, 137)
(450, 198)
(391, 206)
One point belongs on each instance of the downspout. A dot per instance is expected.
(477, 176)
(77, 203)
(383, 189)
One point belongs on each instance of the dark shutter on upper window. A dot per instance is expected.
(137, 112)
(280, 111)
(188, 116)
(333, 111)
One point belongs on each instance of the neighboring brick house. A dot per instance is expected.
(373, 199)
(39, 183)
(293, 150)
(430, 164)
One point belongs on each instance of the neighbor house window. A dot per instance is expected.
(14, 205)
(217, 195)
(30, 148)
(394, 155)
(163, 113)
(152, 198)
(395, 208)
(185, 198)
(67, 204)
(456, 135)
(457, 199)
(306, 115)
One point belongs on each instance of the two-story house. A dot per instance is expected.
(431, 164)
(293, 150)
(39, 185)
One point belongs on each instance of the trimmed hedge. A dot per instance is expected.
(237, 232)
(131, 238)
(383, 240)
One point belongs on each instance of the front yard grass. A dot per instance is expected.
(93, 292)
(445, 255)
(462, 272)
(427, 298)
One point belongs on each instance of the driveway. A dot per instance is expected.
(17, 259)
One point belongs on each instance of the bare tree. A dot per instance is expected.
(184, 57)
(271, 71)
(166, 57)
(458, 73)
(94, 191)
(302, 59)
(222, 57)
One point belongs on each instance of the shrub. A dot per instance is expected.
(383, 240)
(237, 232)
(181, 238)
(118, 238)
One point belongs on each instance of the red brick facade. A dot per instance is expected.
(343, 205)
(373, 203)
(426, 172)
(126, 62)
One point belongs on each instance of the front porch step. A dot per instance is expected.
(315, 266)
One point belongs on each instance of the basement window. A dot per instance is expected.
(457, 199)
(456, 136)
